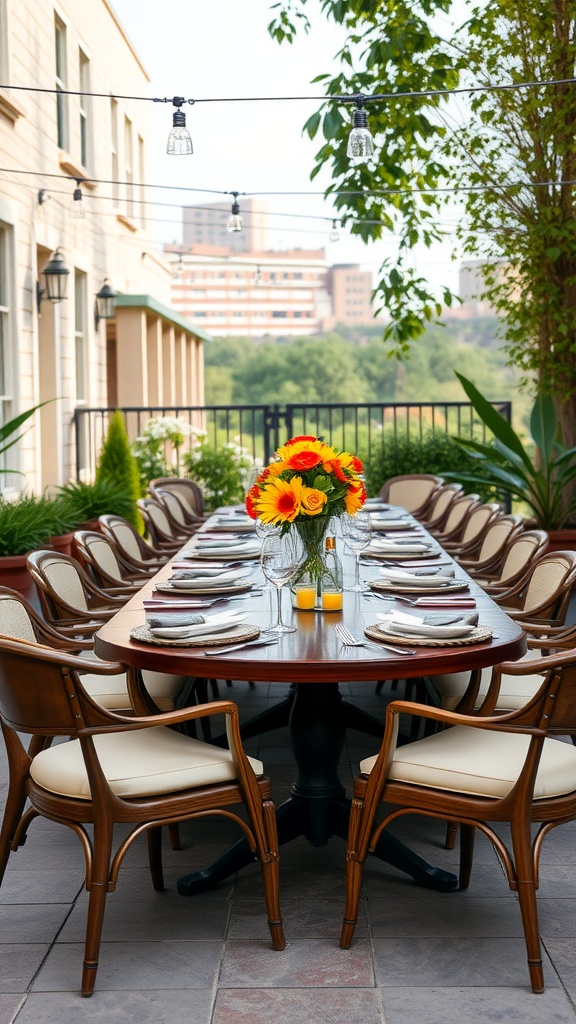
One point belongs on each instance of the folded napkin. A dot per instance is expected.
(219, 542)
(185, 579)
(445, 602)
(158, 620)
(398, 547)
(426, 577)
(233, 549)
(416, 626)
(184, 572)
(163, 626)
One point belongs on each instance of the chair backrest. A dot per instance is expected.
(37, 694)
(173, 503)
(478, 522)
(123, 534)
(15, 618)
(498, 535)
(188, 491)
(523, 551)
(59, 582)
(413, 491)
(457, 515)
(440, 505)
(549, 587)
(98, 557)
(156, 520)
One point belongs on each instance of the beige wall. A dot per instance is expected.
(111, 241)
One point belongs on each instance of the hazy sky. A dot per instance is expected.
(221, 48)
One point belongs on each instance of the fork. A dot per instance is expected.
(347, 638)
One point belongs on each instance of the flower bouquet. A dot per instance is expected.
(306, 484)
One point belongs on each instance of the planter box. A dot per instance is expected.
(562, 540)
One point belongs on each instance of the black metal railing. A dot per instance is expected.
(259, 429)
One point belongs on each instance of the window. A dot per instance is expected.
(129, 167)
(4, 75)
(85, 126)
(61, 84)
(142, 179)
(80, 335)
(115, 164)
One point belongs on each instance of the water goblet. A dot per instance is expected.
(279, 559)
(357, 533)
(264, 530)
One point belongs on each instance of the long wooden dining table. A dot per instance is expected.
(315, 662)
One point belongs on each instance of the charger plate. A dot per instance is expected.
(235, 588)
(243, 631)
(415, 588)
(479, 635)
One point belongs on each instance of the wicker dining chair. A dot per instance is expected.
(413, 491)
(140, 772)
(128, 543)
(440, 506)
(457, 517)
(176, 513)
(489, 557)
(476, 771)
(186, 490)
(159, 528)
(108, 569)
(524, 550)
(477, 523)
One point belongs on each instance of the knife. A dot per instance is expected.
(247, 643)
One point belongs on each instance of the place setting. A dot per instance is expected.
(431, 629)
(207, 581)
(223, 549)
(432, 580)
(190, 629)
(400, 548)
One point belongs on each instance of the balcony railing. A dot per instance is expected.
(352, 427)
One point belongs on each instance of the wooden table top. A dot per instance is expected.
(312, 654)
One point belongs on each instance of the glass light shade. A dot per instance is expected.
(235, 219)
(56, 275)
(179, 139)
(334, 235)
(106, 302)
(77, 206)
(360, 142)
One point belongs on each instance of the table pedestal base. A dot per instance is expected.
(318, 807)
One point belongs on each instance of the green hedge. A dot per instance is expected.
(435, 452)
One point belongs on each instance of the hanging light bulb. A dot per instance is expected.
(179, 140)
(77, 206)
(235, 219)
(360, 142)
(334, 235)
(258, 277)
(179, 268)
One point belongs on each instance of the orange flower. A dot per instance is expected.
(312, 501)
(301, 437)
(303, 460)
(339, 473)
(355, 498)
(251, 498)
(280, 501)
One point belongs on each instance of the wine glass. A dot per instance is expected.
(357, 533)
(264, 530)
(279, 558)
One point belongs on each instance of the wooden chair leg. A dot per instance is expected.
(451, 833)
(354, 871)
(98, 889)
(467, 838)
(527, 900)
(174, 836)
(154, 839)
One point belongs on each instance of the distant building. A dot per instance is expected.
(259, 293)
(208, 225)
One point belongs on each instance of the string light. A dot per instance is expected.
(235, 218)
(334, 235)
(360, 141)
(179, 140)
(77, 210)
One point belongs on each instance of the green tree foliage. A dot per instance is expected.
(511, 151)
(117, 464)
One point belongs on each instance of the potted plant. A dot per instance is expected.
(25, 524)
(85, 502)
(543, 479)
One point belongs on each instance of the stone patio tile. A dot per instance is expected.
(460, 915)
(40, 886)
(305, 963)
(31, 923)
(556, 917)
(301, 918)
(135, 912)
(478, 962)
(19, 963)
(130, 1007)
(297, 1006)
(141, 966)
(484, 1005)
(8, 1007)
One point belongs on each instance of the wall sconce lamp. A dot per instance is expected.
(56, 279)
(105, 304)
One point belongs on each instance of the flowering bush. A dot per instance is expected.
(223, 473)
(157, 449)
(306, 479)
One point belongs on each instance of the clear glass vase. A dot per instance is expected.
(317, 581)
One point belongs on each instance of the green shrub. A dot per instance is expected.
(117, 465)
(435, 452)
(82, 502)
(222, 473)
(27, 523)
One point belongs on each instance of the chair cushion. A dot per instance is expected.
(515, 691)
(148, 762)
(481, 763)
(112, 691)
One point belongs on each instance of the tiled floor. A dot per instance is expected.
(419, 957)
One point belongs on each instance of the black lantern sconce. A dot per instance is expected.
(105, 304)
(56, 279)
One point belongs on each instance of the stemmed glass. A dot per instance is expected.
(357, 533)
(279, 559)
(264, 530)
